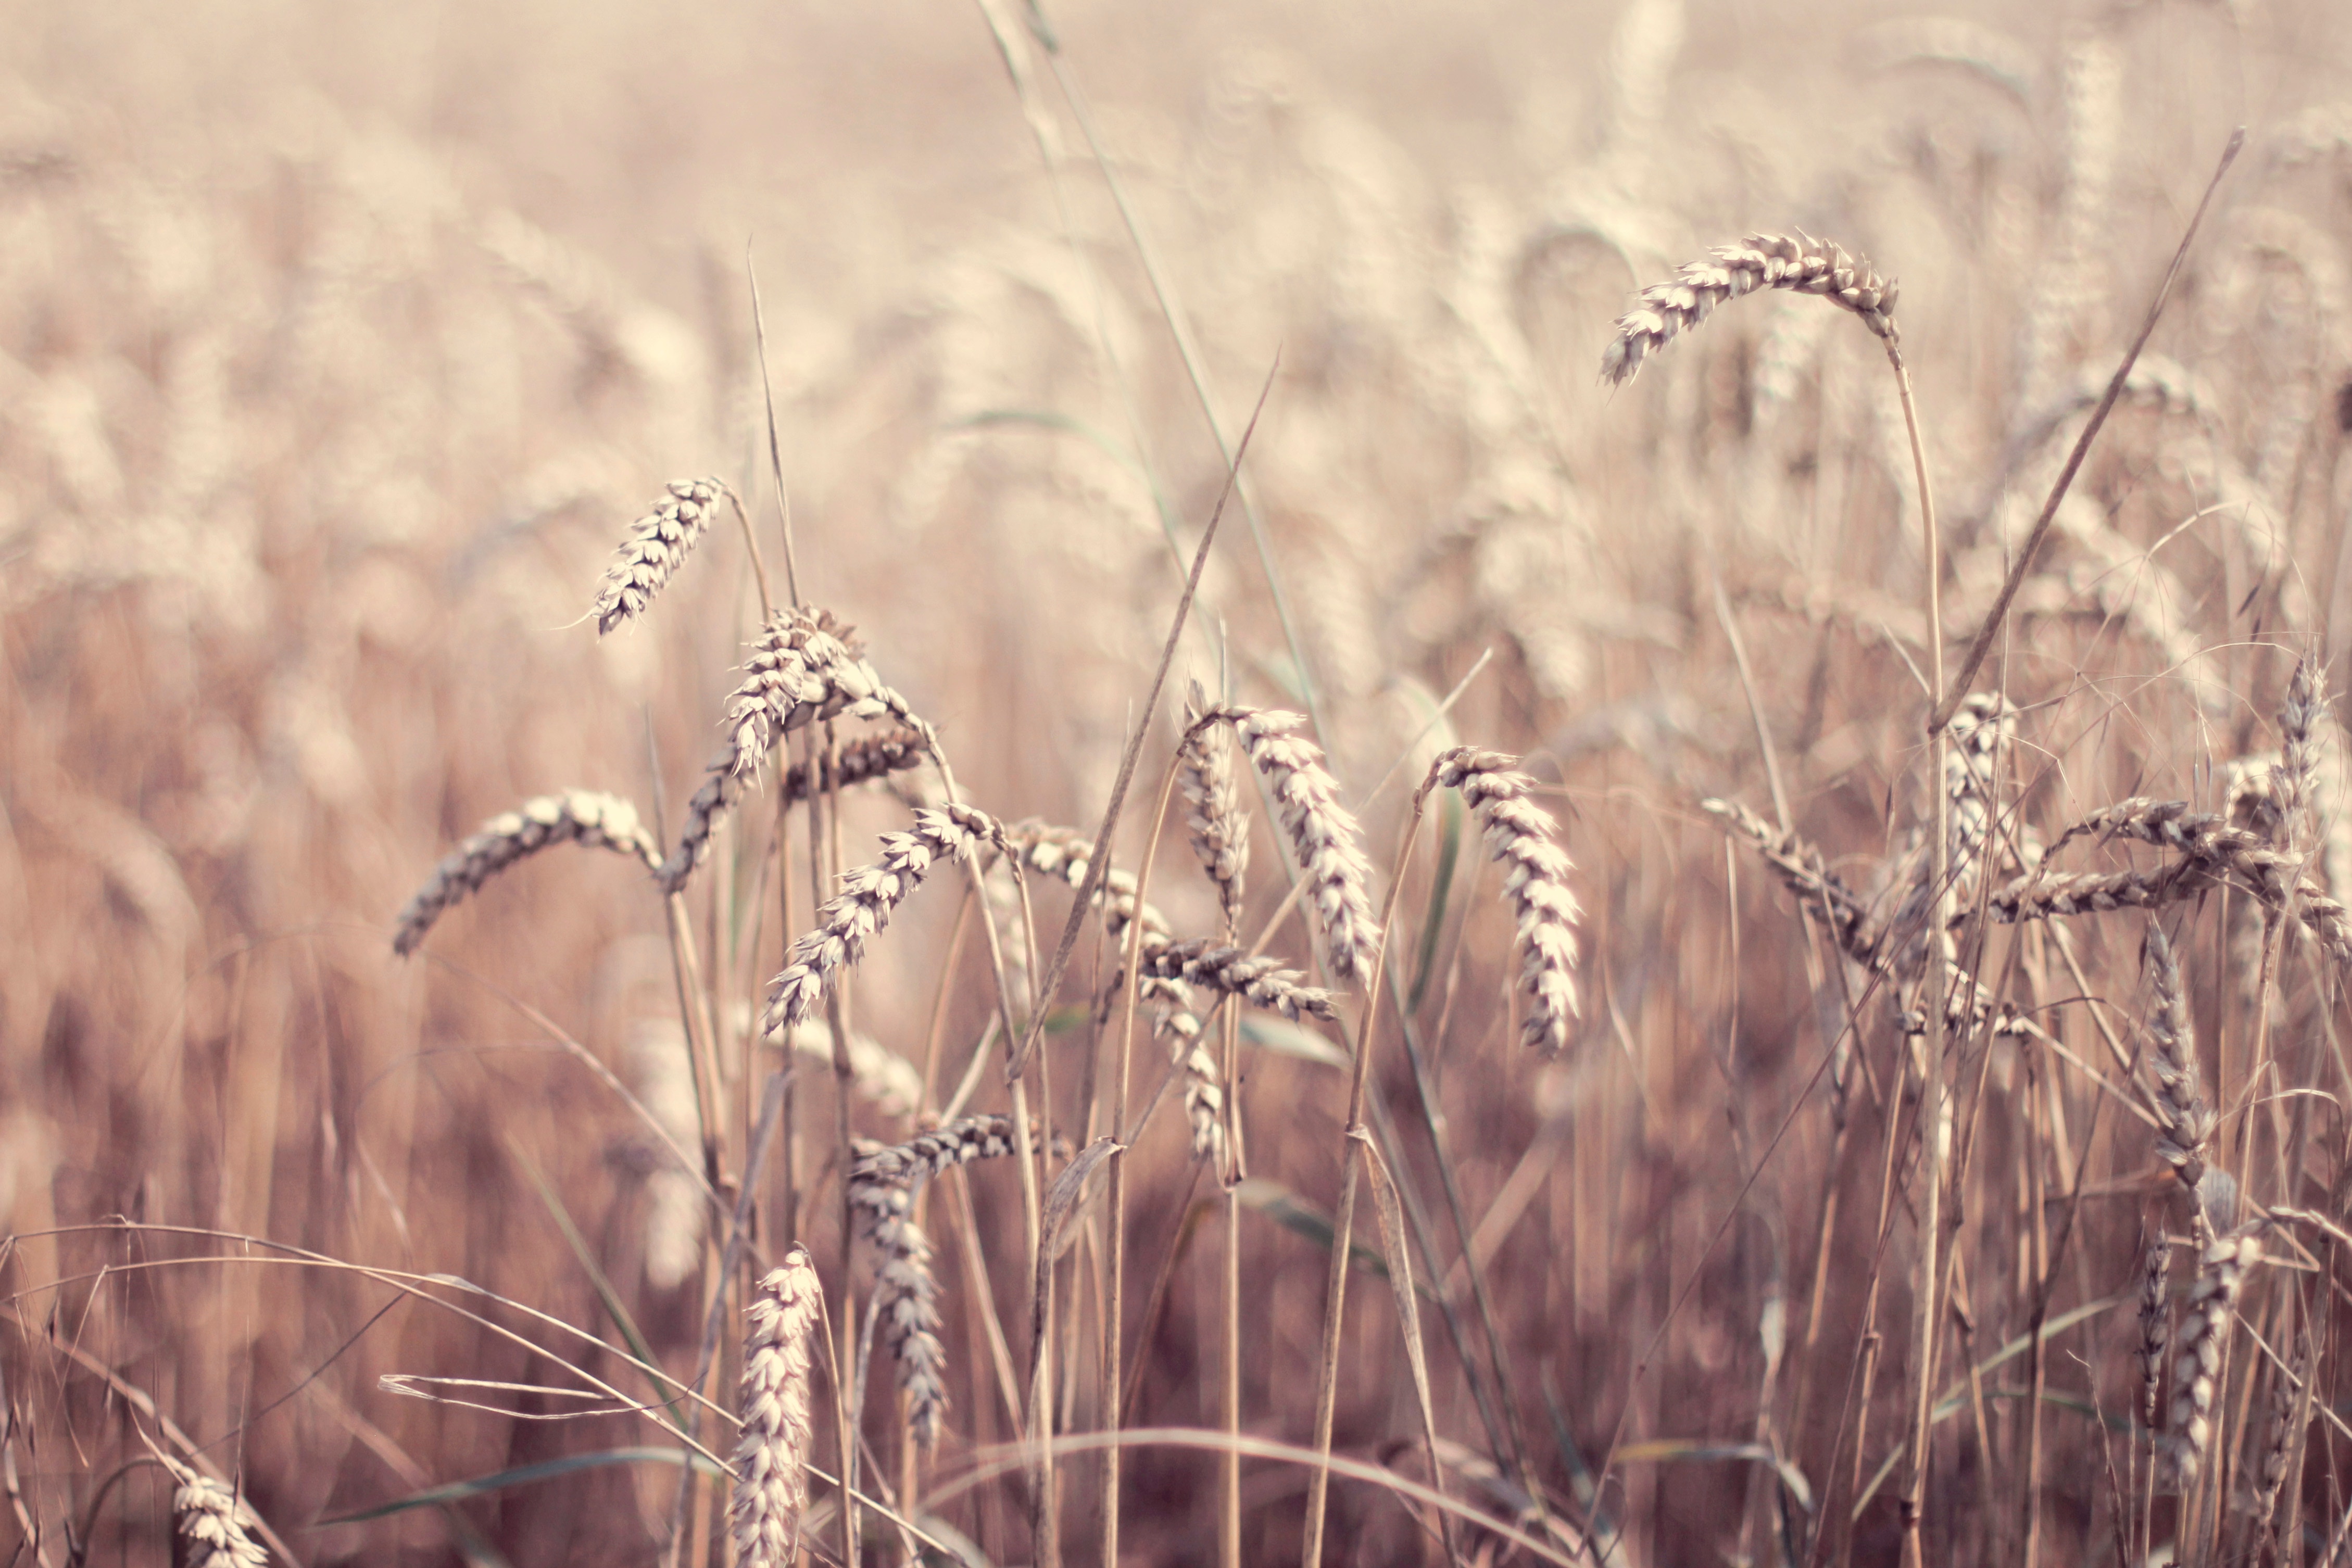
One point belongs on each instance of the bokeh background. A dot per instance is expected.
(340, 345)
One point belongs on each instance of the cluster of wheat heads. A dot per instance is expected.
(802, 676)
(1919, 932)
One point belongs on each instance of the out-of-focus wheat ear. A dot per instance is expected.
(576, 816)
(213, 1520)
(1804, 870)
(1065, 854)
(676, 1211)
(771, 1459)
(657, 545)
(1796, 262)
(2221, 1275)
(1982, 728)
(864, 905)
(1261, 981)
(2155, 1324)
(1323, 834)
(1521, 838)
(2188, 1121)
(2299, 743)
(2286, 1404)
(1214, 813)
(881, 1194)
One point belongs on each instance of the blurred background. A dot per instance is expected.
(339, 346)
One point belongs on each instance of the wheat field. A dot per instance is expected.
(745, 744)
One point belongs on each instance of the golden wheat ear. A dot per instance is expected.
(771, 1459)
(657, 545)
(1796, 262)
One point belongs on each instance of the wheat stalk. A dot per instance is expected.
(576, 816)
(771, 1459)
(864, 904)
(881, 1194)
(214, 1519)
(1520, 838)
(1323, 834)
(1796, 262)
(2221, 1275)
(657, 545)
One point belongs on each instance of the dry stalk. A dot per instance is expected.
(772, 1459)
(576, 816)
(1796, 262)
(1521, 838)
(863, 907)
(657, 545)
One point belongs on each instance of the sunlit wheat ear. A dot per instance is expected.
(863, 907)
(1521, 838)
(2188, 1120)
(2155, 1324)
(1261, 981)
(213, 1520)
(657, 545)
(882, 1187)
(1220, 828)
(803, 669)
(1796, 262)
(2221, 1275)
(771, 1459)
(859, 762)
(1323, 834)
(576, 816)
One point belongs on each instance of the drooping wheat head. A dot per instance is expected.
(1261, 981)
(1219, 827)
(1521, 838)
(864, 905)
(576, 816)
(2221, 1274)
(803, 669)
(882, 1187)
(657, 545)
(2187, 1119)
(214, 1520)
(2155, 1324)
(771, 1458)
(1796, 262)
(1323, 834)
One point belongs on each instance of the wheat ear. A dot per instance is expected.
(2188, 1120)
(1220, 830)
(2212, 844)
(2155, 1324)
(2286, 1404)
(882, 1193)
(657, 545)
(2221, 1274)
(215, 1521)
(1820, 890)
(1521, 838)
(1796, 262)
(864, 905)
(2299, 716)
(1323, 834)
(576, 816)
(772, 1459)
(1260, 981)
(804, 668)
